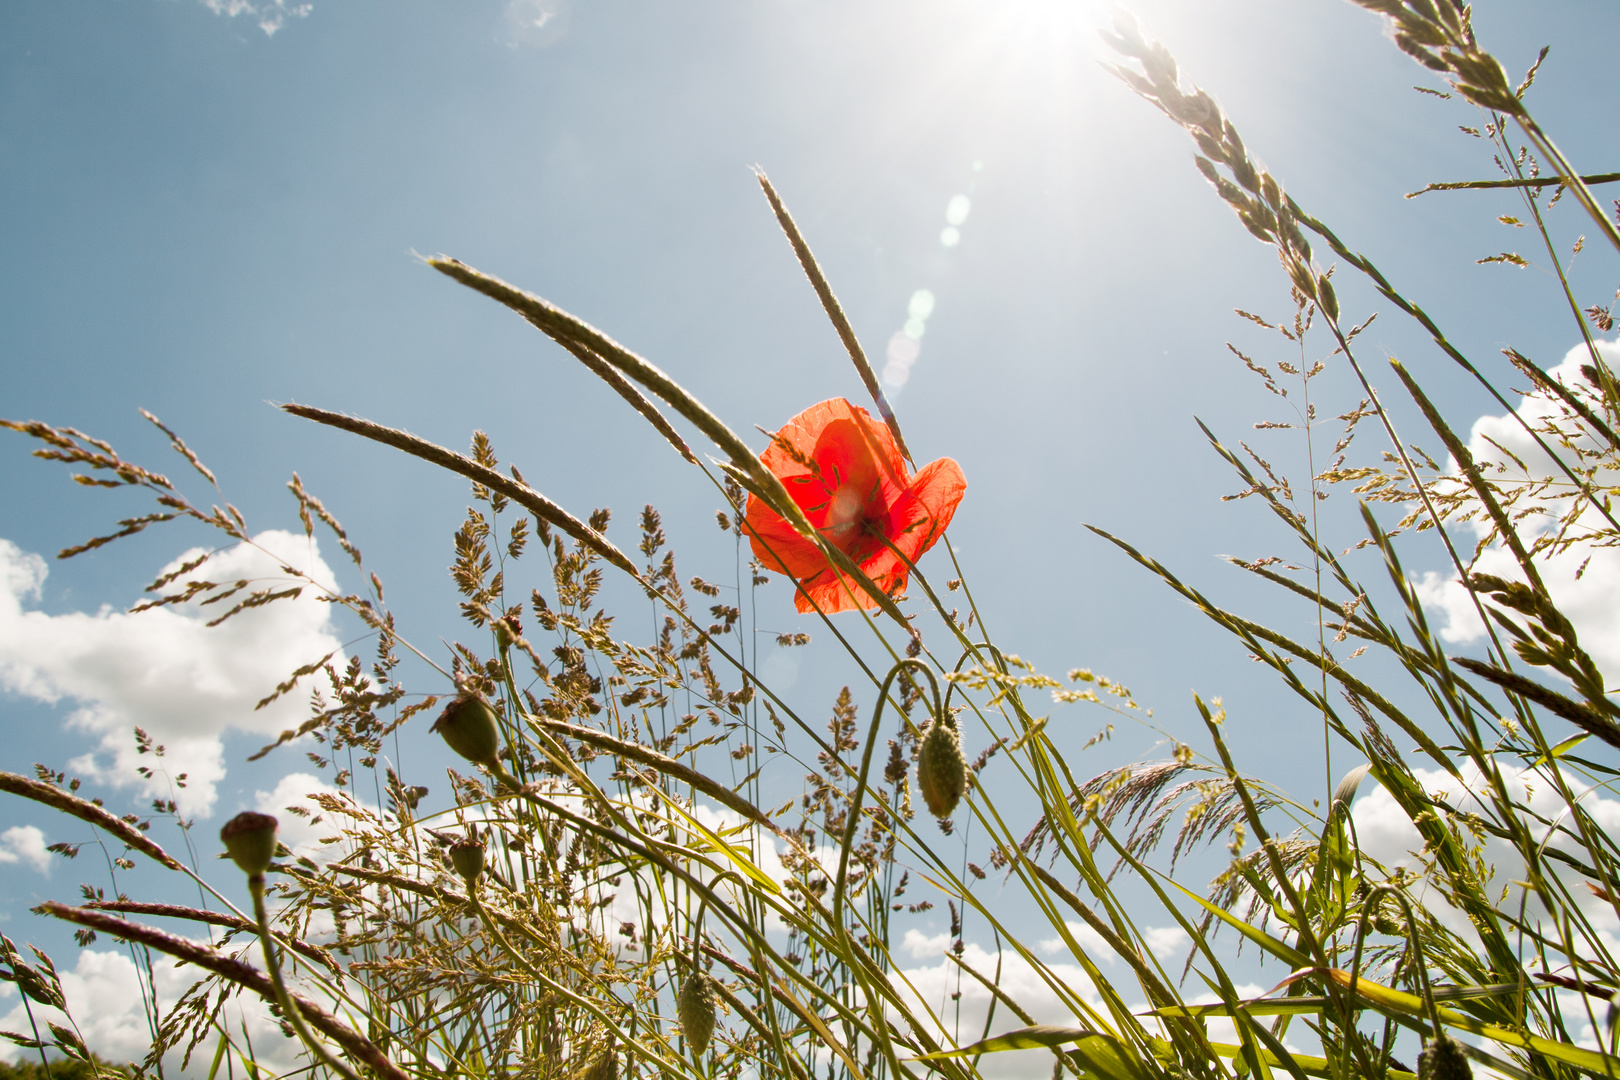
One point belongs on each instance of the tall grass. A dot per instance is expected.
(618, 888)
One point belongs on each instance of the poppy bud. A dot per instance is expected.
(250, 839)
(1442, 1059)
(941, 770)
(467, 856)
(695, 1011)
(606, 1067)
(469, 728)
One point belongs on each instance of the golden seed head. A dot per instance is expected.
(250, 839)
(1442, 1059)
(469, 728)
(941, 769)
(605, 1067)
(695, 1010)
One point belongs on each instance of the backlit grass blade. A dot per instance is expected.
(1097, 1050)
(835, 312)
(1281, 950)
(1400, 1001)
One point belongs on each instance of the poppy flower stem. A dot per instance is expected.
(933, 597)
(1369, 911)
(966, 591)
(289, 1009)
(703, 907)
(866, 767)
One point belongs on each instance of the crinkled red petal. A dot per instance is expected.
(843, 469)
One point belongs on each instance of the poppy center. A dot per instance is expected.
(845, 509)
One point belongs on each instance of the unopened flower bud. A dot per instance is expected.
(467, 856)
(606, 1067)
(469, 728)
(695, 1011)
(250, 839)
(941, 769)
(1442, 1059)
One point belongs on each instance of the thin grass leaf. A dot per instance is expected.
(1519, 182)
(521, 494)
(1565, 1053)
(1281, 950)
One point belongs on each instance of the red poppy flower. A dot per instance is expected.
(850, 479)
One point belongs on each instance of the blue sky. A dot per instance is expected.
(213, 207)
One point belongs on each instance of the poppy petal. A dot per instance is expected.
(845, 472)
(794, 446)
(777, 544)
(938, 488)
(832, 592)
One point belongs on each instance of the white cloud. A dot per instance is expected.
(107, 998)
(1592, 600)
(303, 835)
(1087, 938)
(1387, 834)
(1166, 941)
(271, 15)
(165, 670)
(962, 1020)
(25, 843)
(923, 946)
(1162, 941)
(536, 23)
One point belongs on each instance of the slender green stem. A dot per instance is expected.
(1518, 182)
(289, 1008)
(33, 1025)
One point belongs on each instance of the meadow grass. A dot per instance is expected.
(659, 914)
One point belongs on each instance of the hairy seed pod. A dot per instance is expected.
(605, 1067)
(1442, 1059)
(469, 728)
(467, 856)
(941, 769)
(250, 839)
(695, 1011)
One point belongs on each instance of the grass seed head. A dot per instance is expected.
(695, 1010)
(941, 769)
(250, 839)
(468, 726)
(1442, 1059)
(605, 1067)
